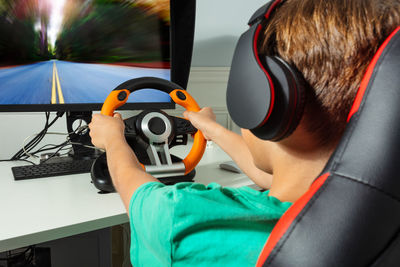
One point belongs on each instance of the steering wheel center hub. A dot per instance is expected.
(156, 127)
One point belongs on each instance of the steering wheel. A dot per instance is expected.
(154, 132)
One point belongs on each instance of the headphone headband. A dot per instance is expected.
(264, 12)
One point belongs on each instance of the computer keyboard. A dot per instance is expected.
(52, 169)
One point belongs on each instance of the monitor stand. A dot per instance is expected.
(82, 145)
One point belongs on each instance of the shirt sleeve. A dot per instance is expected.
(151, 217)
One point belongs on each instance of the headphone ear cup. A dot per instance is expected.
(250, 91)
(264, 93)
(301, 99)
(289, 101)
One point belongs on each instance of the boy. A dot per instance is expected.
(331, 44)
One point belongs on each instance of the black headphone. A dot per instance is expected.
(265, 94)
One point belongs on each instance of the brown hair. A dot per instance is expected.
(331, 43)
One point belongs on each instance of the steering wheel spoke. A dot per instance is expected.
(161, 162)
(159, 154)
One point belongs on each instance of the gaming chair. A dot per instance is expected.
(350, 216)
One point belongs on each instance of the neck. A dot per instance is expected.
(294, 171)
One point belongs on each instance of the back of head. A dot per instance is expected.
(331, 43)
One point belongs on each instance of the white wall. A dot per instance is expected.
(219, 23)
(218, 26)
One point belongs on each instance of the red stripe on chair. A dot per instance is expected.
(368, 74)
(286, 220)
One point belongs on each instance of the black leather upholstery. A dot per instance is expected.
(353, 219)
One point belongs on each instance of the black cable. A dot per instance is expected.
(53, 146)
(38, 138)
(41, 134)
(55, 153)
(22, 155)
(2, 160)
(62, 145)
(10, 255)
(47, 149)
(31, 256)
(42, 149)
(34, 141)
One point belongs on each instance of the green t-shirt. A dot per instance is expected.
(191, 224)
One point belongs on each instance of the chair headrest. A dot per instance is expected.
(350, 216)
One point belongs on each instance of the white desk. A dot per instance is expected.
(40, 210)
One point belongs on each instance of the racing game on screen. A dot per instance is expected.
(77, 51)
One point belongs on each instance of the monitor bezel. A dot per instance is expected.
(181, 46)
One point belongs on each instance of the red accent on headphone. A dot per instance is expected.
(271, 8)
(272, 100)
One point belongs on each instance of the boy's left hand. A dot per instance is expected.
(105, 130)
(205, 121)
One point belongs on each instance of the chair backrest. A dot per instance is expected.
(350, 216)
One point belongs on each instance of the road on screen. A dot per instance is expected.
(64, 82)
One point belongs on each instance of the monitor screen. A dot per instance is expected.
(70, 54)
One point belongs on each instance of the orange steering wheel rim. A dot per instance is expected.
(119, 96)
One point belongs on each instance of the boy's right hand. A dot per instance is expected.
(205, 121)
(106, 130)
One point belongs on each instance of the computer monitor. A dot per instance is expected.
(67, 55)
